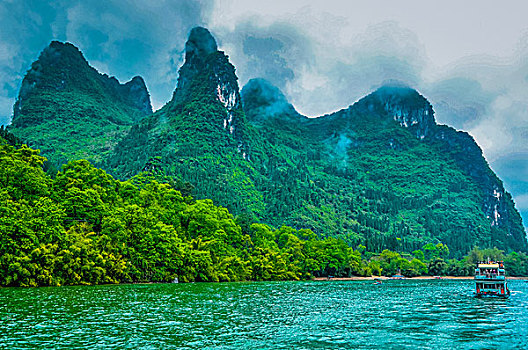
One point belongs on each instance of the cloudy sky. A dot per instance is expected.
(469, 58)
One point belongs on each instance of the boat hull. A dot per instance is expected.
(492, 296)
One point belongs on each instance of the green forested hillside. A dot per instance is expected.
(380, 174)
(200, 137)
(372, 182)
(70, 111)
(85, 227)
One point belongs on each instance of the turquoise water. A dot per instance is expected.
(409, 314)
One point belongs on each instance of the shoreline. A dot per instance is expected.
(384, 278)
(316, 279)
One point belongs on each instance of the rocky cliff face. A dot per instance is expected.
(403, 104)
(203, 60)
(208, 75)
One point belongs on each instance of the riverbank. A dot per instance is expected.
(370, 278)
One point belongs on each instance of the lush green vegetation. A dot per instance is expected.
(85, 227)
(356, 175)
(359, 175)
(70, 111)
(433, 260)
(9, 137)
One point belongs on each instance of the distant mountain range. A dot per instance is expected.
(380, 173)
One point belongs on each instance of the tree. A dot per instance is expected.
(437, 267)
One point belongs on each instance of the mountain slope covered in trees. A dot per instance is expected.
(85, 227)
(381, 173)
(70, 111)
(394, 176)
(201, 136)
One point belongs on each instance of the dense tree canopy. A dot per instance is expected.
(85, 227)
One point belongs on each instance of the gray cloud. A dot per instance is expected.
(459, 102)
(276, 52)
(266, 54)
(487, 97)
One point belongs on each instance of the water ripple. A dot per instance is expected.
(408, 314)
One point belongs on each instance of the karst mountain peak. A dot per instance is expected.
(381, 173)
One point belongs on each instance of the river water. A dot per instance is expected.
(408, 314)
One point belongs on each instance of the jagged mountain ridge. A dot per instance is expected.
(412, 111)
(498, 220)
(378, 173)
(201, 133)
(70, 111)
(303, 171)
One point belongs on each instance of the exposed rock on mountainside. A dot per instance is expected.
(405, 105)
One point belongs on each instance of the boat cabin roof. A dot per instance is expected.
(489, 266)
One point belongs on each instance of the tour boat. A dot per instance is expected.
(490, 279)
